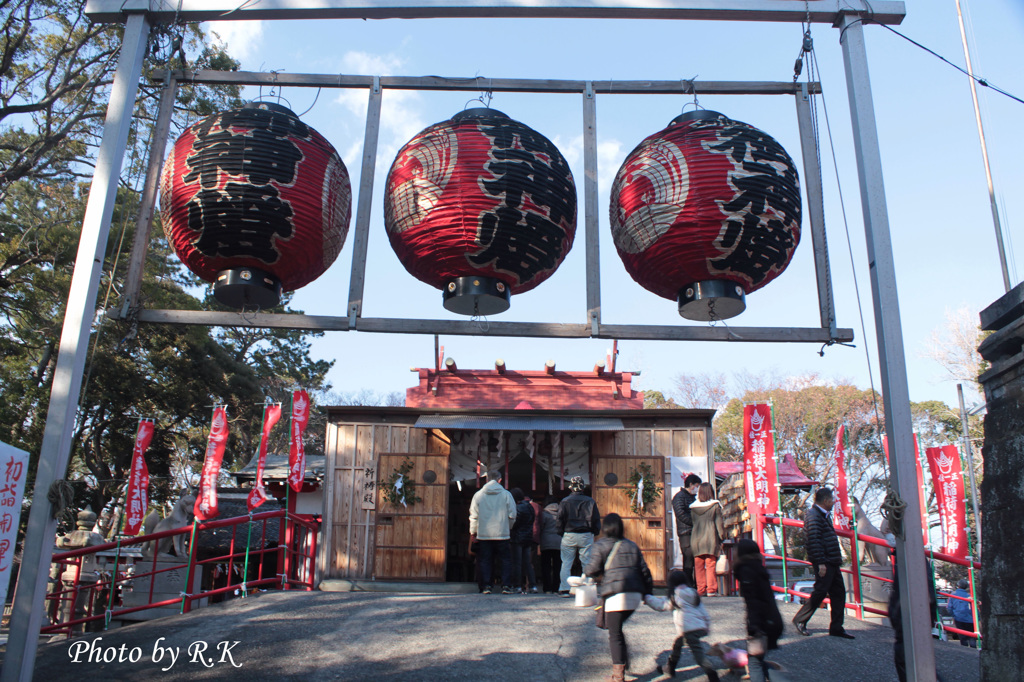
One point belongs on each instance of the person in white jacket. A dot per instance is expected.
(691, 620)
(491, 514)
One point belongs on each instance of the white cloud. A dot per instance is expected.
(241, 39)
(366, 64)
(609, 158)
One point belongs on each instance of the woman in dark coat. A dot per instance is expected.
(764, 622)
(625, 581)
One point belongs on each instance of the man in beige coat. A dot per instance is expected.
(491, 515)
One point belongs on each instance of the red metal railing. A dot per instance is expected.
(857, 607)
(75, 603)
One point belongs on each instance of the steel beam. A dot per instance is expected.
(820, 11)
(479, 83)
(385, 325)
(910, 558)
(74, 342)
(144, 219)
(362, 236)
(815, 208)
(591, 208)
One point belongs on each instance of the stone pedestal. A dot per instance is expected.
(169, 584)
(1001, 601)
(873, 593)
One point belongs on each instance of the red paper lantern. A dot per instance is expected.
(255, 201)
(705, 212)
(481, 207)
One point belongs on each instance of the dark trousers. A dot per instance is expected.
(616, 638)
(687, 552)
(964, 639)
(550, 565)
(522, 565)
(692, 640)
(485, 558)
(829, 585)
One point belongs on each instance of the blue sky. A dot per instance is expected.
(943, 238)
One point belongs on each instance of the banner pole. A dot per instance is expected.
(778, 495)
(188, 572)
(855, 553)
(970, 567)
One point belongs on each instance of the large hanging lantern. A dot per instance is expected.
(705, 212)
(481, 207)
(256, 202)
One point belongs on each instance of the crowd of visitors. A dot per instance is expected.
(509, 526)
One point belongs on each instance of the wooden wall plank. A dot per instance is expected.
(663, 443)
(681, 443)
(699, 443)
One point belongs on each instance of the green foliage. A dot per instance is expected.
(650, 493)
(404, 496)
(656, 400)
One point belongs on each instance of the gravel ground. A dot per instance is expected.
(412, 637)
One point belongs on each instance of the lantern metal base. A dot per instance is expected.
(716, 299)
(476, 296)
(247, 288)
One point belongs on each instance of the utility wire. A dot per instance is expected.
(979, 80)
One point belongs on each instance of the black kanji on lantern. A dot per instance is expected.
(240, 220)
(524, 162)
(768, 197)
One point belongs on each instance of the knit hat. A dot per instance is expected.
(963, 584)
(576, 484)
(747, 546)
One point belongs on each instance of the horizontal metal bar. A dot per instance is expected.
(490, 328)
(661, 87)
(820, 11)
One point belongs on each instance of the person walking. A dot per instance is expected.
(491, 515)
(681, 502)
(578, 522)
(625, 582)
(959, 606)
(692, 624)
(822, 545)
(523, 578)
(550, 545)
(764, 622)
(706, 538)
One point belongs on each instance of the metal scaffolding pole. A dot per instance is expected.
(917, 638)
(74, 342)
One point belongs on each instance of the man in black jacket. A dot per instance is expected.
(681, 502)
(578, 522)
(823, 552)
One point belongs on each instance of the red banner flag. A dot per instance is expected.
(257, 496)
(297, 451)
(842, 512)
(759, 460)
(206, 503)
(920, 484)
(137, 499)
(948, 479)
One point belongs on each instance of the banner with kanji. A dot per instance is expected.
(297, 451)
(948, 480)
(920, 484)
(759, 460)
(842, 512)
(13, 471)
(137, 498)
(206, 502)
(257, 496)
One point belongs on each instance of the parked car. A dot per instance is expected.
(806, 586)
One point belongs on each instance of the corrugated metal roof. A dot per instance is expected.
(276, 468)
(515, 423)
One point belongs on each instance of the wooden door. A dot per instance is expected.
(411, 540)
(610, 477)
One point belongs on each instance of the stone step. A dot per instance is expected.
(343, 585)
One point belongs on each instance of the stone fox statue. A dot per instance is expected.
(179, 516)
(870, 553)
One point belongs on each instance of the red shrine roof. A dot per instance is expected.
(790, 475)
(505, 389)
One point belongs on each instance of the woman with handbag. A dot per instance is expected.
(706, 539)
(625, 581)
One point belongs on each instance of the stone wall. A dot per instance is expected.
(1001, 598)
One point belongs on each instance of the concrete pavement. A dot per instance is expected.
(414, 637)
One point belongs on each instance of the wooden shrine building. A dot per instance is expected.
(538, 428)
